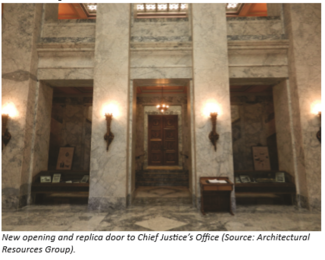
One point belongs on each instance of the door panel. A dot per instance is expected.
(155, 141)
(163, 140)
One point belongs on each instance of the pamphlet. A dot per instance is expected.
(217, 181)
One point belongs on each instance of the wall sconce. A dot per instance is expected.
(213, 136)
(318, 134)
(6, 136)
(109, 136)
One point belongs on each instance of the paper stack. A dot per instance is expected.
(217, 181)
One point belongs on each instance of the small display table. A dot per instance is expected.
(215, 196)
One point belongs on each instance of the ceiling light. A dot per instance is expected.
(162, 7)
(173, 6)
(92, 7)
(151, 7)
(232, 5)
(140, 7)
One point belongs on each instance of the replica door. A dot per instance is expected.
(163, 140)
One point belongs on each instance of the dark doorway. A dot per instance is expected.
(162, 140)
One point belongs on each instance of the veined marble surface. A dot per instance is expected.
(62, 29)
(211, 85)
(19, 57)
(160, 30)
(108, 169)
(254, 28)
(164, 216)
(305, 91)
(283, 124)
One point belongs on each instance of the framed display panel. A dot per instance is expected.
(56, 178)
(280, 177)
(65, 158)
(45, 179)
(261, 158)
(245, 178)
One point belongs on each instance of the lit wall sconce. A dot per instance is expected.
(8, 111)
(318, 134)
(213, 136)
(109, 136)
(6, 136)
(316, 110)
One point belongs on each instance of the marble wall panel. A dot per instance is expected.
(248, 131)
(211, 85)
(63, 29)
(108, 169)
(160, 30)
(70, 126)
(283, 124)
(42, 125)
(66, 59)
(19, 37)
(254, 28)
(132, 142)
(265, 71)
(161, 73)
(303, 25)
(161, 58)
(65, 74)
(260, 56)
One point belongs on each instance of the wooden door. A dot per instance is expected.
(163, 140)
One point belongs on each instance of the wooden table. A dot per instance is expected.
(216, 197)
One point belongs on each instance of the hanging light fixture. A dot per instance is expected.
(162, 107)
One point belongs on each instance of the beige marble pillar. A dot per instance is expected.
(108, 169)
(211, 87)
(19, 90)
(305, 91)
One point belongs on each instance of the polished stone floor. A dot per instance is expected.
(160, 209)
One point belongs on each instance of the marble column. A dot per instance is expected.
(283, 125)
(19, 90)
(211, 88)
(303, 26)
(108, 169)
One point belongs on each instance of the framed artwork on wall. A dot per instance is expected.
(65, 158)
(261, 158)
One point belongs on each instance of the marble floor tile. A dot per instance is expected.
(160, 217)
(160, 224)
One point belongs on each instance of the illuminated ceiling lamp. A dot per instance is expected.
(162, 107)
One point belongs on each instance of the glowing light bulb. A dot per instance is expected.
(140, 7)
(9, 109)
(111, 109)
(316, 107)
